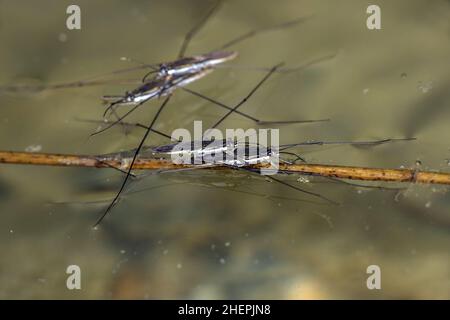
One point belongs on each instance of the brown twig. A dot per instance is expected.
(341, 172)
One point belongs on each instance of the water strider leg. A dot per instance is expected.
(165, 90)
(353, 143)
(127, 124)
(116, 198)
(255, 120)
(112, 106)
(162, 91)
(122, 117)
(248, 96)
(144, 78)
(114, 167)
(91, 81)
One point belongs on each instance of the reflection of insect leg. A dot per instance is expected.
(188, 37)
(369, 143)
(253, 33)
(247, 35)
(354, 184)
(263, 195)
(122, 117)
(289, 185)
(321, 143)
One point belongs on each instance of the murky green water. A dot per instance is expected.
(193, 235)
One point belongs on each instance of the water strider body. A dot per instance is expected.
(239, 153)
(171, 75)
(210, 152)
(233, 154)
(195, 64)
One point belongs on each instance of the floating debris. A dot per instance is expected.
(425, 87)
(34, 148)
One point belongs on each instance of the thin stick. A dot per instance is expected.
(341, 172)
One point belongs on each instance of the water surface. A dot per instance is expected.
(231, 235)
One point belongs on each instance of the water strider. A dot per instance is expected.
(172, 75)
(222, 146)
(226, 154)
(179, 73)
